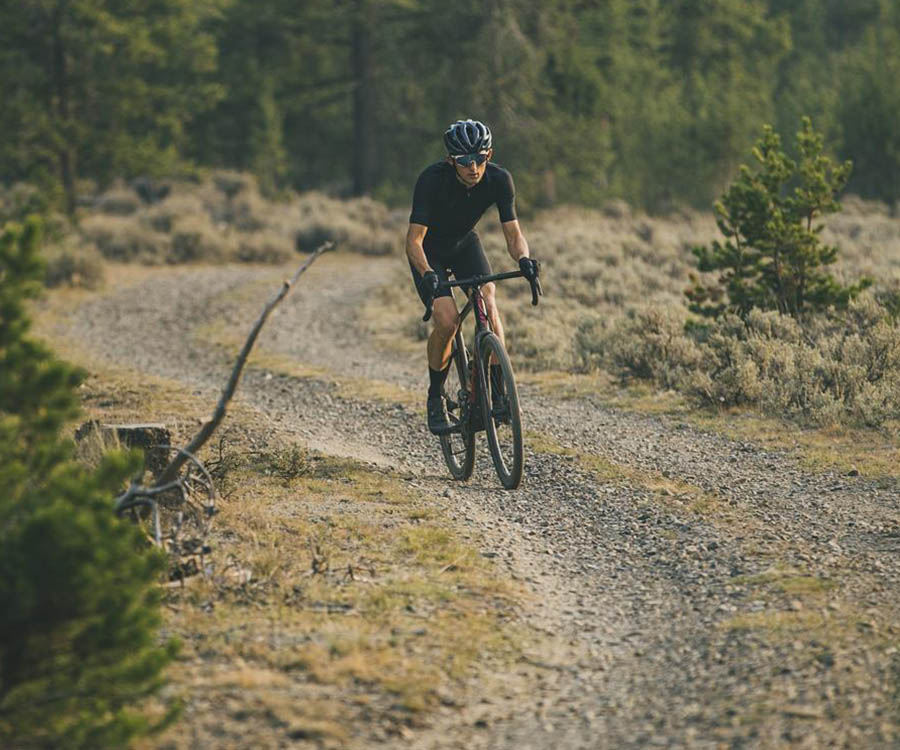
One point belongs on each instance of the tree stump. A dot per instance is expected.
(152, 439)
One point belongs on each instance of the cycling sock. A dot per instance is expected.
(496, 379)
(437, 381)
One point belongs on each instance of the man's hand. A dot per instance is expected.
(529, 267)
(430, 283)
(428, 287)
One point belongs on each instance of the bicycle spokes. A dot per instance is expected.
(458, 446)
(501, 415)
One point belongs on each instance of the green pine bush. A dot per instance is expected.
(79, 613)
(772, 257)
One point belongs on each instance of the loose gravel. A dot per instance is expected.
(711, 594)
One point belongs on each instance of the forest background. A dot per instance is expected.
(653, 102)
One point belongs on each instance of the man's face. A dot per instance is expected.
(468, 170)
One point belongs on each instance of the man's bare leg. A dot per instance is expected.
(445, 318)
(489, 292)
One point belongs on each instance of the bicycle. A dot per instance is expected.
(473, 403)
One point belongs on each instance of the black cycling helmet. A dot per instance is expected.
(467, 137)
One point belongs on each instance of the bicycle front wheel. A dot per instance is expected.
(458, 446)
(502, 419)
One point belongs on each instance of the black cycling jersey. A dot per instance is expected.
(450, 210)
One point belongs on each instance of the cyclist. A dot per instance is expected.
(449, 198)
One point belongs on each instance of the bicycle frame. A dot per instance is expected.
(476, 299)
(482, 322)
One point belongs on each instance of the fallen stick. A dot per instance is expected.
(171, 471)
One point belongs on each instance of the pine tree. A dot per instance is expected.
(773, 258)
(101, 89)
(79, 610)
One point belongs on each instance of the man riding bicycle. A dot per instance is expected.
(449, 198)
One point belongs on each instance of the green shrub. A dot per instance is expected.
(162, 216)
(248, 212)
(123, 238)
(827, 371)
(360, 225)
(118, 201)
(79, 609)
(649, 343)
(226, 218)
(824, 370)
(232, 183)
(194, 238)
(263, 247)
(773, 258)
(73, 264)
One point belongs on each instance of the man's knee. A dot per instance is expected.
(445, 317)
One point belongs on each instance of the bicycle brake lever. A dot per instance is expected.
(536, 290)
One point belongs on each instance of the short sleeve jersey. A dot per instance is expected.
(450, 210)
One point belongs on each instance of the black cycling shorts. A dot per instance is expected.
(463, 260)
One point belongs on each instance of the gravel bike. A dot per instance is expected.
(474, 404)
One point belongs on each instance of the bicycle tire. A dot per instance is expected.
(504, 430)
(458, 447)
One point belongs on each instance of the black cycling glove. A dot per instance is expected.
(430, 284)
(530, 268)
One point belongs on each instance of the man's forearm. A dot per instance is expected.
(518, 248)
(416, 254)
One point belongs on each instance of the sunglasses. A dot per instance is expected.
(466, 159)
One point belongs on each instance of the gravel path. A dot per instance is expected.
(696, 592)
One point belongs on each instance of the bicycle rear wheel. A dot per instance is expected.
(458, 446)
(502, 419)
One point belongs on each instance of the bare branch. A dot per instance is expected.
(171, 471)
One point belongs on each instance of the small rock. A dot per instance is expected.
(803, 712)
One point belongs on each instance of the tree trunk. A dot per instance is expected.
(363, 98)
(65, 153)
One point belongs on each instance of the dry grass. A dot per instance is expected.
(872, 454)
(329, 585)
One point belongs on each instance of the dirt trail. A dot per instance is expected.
(697, 592)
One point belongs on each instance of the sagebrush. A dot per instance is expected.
(825, 371)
